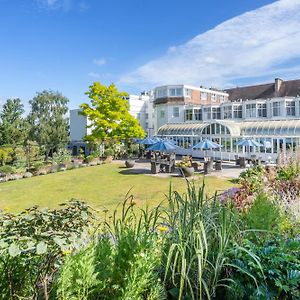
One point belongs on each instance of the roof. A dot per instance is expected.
(288, 88)
(267, 128)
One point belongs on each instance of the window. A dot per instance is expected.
(162, 113)
(146, 115)
(207, 113)
(276, 109)
(216, 113)
(203, 96)
(262, 110)
(188, 92)
(175, 92)
(161, 92)
(189, 115)
(251, 110)
(222, 98)
(213, 97)
(175, 112)
(227, 112)
(198, 114)
(290, 108)
(237, 111)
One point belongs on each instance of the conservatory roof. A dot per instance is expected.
(271, 128)
(282, 128)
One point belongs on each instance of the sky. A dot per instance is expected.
(66, 45)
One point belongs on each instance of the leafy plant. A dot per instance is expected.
(7, 169)
(33, 244)
(108, 152)
(185, 162)
(204, 234)
(288, 172)
(121, 263)
(62, 156)
(280, 279)
(5, 155)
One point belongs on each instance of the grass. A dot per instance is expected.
(100, 186)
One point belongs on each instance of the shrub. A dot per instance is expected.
(6, 154)
(88, 159)
(108, 152)
(289, 170)
(62, 156)
(32, 247)
(263, 214)
(7, 169)
(122, 263)
(278, 277)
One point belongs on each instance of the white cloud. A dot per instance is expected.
(260, 43)
(99, 62)
(51, 2)
(94, 74)
(56, 4)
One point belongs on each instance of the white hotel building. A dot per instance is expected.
(267, 113)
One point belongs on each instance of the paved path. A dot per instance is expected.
(143, 167)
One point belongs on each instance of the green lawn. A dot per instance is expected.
(100, 186)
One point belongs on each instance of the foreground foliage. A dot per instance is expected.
(190, 247)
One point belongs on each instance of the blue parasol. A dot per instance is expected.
(147, 141)
(163, 146)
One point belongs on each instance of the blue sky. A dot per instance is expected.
(65, 45)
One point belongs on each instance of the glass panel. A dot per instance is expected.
(227, 112)
(237, 111)
(251, 110)
(276, 109)
(262, 110)
(275, 145)
(290, 108)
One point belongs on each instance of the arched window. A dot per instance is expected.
(215, 129)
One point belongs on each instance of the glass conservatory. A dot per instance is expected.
(276, 136)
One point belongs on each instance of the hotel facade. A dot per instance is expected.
(268, 113)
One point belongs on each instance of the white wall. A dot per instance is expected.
(78, 125)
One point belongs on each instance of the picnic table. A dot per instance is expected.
(162, 165)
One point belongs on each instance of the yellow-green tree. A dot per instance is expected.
(109, 115)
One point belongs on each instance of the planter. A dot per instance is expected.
(129, 163)
(187, 171)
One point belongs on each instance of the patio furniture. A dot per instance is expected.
(237, 160)
(208, 167)
(155, 167)
(242, 162)
(162, 166)
(218, 165)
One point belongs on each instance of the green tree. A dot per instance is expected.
(109, 115)
(49, 124)
(13, 127)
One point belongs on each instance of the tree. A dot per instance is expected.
(49, 125)
(109, 115)
(13, 127)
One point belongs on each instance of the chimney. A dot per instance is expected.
(278, 83)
